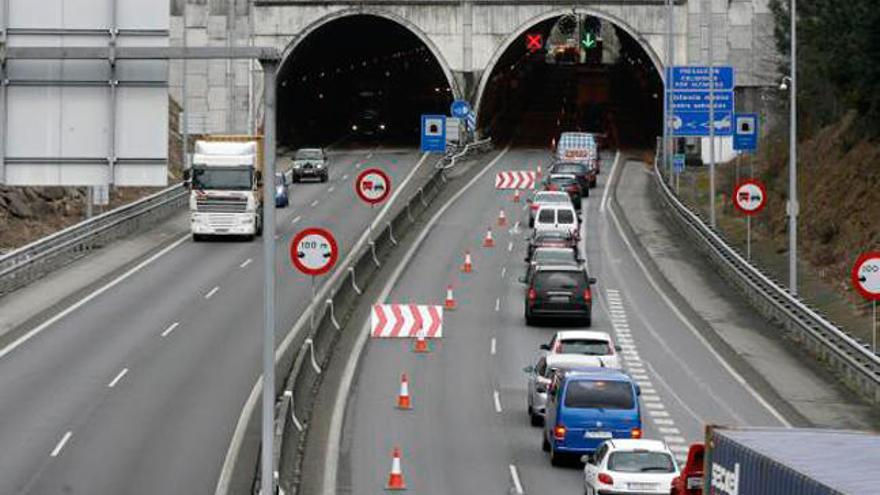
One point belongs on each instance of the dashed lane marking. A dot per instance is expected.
(331, 189)
(503, 271)
(345, 177)
(211, 293)
(61, 444)
(246, 263)
(497, 397)
(296, 219)
(517, 484)
(170, 328)
(492, 347)
(117, 378)
(314, 203)
(497, 303)
(510, 246)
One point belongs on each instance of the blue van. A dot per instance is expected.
(588, 406)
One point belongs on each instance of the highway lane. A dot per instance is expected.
(469, 431)
(177, 390)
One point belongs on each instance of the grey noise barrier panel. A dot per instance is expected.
(850, 359)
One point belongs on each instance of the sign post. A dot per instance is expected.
(749, 197)
(678, 163)
(866, 280)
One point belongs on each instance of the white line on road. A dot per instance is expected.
(497, 397)
(331, 189)
(118, 377)
(314, 203)
(61, 444)
(497, 303)
(608, 185)
(517, 485)
(246, 263)
(345, 177)
(296, 219)
(211, 292)
(358, 165)
(492, 347)
(510, 246)
(170, 328)
(503, 271)
(82, 302)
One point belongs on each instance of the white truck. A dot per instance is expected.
(226, 196)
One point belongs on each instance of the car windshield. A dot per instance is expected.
(641, 462)
(551, 198)
(559, 280)
(599, 394)
(588, 347)
(548, 256)
(308, 155)
(237, 179)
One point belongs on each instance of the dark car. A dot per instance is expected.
(569, 184)
(586, 176)
(559, 291)
(550, 239)
(369, 123)
(551, 256)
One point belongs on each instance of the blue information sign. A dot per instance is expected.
(745, 135)
(698, 101)
(696, 77)
(697, 123)
(460, 109)
(678, 163)
(433, 133)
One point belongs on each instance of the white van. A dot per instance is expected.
(557, 217)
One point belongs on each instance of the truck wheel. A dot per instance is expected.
(325, 177)
(198, 238)
(259, 229)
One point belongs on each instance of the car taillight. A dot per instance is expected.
(535, 206)
(572, 189)
(588, 295)
(552, 187)
(559, 432)
(636, 433)
(532, 295)
(605, 479)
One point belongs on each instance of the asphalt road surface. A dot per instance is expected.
(469, 431)
(138, 390)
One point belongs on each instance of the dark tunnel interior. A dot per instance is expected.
(359, 79)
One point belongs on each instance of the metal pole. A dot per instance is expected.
(3, 93)
(184, 114)
(874, 325)
(711, 56)
(267, 484)
(666, 96)
(90, 199)
(792, 164)
(749, 238)
(670, 23)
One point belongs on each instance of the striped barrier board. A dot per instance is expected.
(406, 321)
(515, 179)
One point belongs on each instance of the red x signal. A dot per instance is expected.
(534, 42)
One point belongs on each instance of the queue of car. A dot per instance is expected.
(587, 405)
(311, 163)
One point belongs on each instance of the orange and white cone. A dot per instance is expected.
(395, 478)
(449, 304)
(421, 345)
(403, 400)
(488, 242)
(539, 172)
(502, 218)
(468, 265)
(516, 196)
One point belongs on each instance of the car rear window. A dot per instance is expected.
(559, 280)
(546, 216)
(599, 394)
(551, 198)
(552, 255)
(588, 347)
(641, 462)
(570, 169)
(565, 216)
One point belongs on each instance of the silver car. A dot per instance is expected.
(310, 163)
(541, 373)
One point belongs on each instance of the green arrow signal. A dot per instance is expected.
(589, 41)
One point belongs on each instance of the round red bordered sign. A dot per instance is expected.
(314, 251)
(866, 275)
(750, 197)
(373, 185)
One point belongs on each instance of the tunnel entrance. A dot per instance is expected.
(359, 79)
(573, 72)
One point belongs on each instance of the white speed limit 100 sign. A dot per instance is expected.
(866, 275)
(314, 251)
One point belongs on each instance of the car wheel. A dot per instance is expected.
(592, 183)
(536, 420)
(555, 459)
(588, 320)
(545, 446)
(587, 194)
(530, 320)
(198, 238)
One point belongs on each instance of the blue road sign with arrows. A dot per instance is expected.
(460, 109)
(697, 123)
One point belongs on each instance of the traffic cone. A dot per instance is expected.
(395, 478)
(502, 218)
(403, 401)
(449, 305)
(516, 196)
(488, 242)
(421, 346)
(468, 265)
(539, 171)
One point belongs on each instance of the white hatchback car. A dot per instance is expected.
(598, 345)
(557, 217)
(542, 198)
(623, 466)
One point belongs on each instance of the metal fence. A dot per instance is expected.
(851, 359)
(33, 261)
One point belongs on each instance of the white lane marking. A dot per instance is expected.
(246, 263)
(666, 430)
(661, 421)
(358, 165)
(369, 155)
(492, 347)
(61, 444)
(82, 302)
(345, 177)
(497, 397)
(331, 189)
(314, 203)
(687, 323)
(510, 246)
(296, 219)
(211, 292)
(524, 207)
(658, 413)
(118, 377)
(503, 271)
(334, 437)
(170, 328)
(497, 303)
(517, 485)
(674, 439)
(608, 184)
(516, 226)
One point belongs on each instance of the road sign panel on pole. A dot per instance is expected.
(698, 101)
(314, 251)
(678, 162)
(406, 320)
(433, 133)
(460, 108)
(750, 197)
(866, 275)
(745, 131)
(696, 77)
(697, 123)
(372, 185)
(515, 179)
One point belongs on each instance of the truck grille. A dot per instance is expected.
(221, 205)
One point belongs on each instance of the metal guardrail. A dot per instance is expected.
(851, 359)
(33, 261)
(474, 147)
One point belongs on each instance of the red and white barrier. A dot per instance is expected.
(515, 179)
(405, 321)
